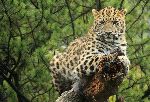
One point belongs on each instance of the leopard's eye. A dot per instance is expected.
(115, 22)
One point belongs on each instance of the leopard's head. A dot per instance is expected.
(109, 24)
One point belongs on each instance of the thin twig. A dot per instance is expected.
(134, 7)
(71, 18)
(121, 4)
(40, 21)
(80, 15)
(138, 16)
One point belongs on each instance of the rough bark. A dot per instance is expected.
(70, 96)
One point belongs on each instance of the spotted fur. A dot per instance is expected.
(81, 57)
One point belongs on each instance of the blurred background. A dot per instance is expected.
(32, 31)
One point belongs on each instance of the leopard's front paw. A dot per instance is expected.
(126, 63)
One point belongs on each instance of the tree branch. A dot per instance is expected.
(70, 96)
(22, 97)
(98, 4)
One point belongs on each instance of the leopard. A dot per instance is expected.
(80, 59)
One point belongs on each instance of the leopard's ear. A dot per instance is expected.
(95, 12)
(123, 11)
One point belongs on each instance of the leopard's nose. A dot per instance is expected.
(108, 35)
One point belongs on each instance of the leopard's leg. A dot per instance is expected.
(60, 81)
(124, 59)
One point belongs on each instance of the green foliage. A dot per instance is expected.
(32, 30)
